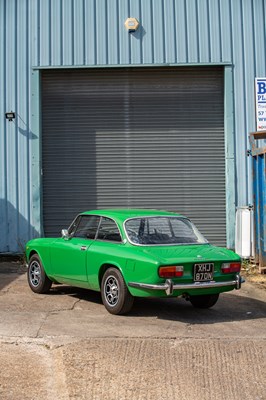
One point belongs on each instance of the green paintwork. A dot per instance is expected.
(65, 262)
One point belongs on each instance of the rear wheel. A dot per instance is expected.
(115, 294)
(204, 301)
(37, 278)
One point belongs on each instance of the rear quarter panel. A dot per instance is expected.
(130, 260)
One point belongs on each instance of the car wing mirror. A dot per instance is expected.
(65, 234)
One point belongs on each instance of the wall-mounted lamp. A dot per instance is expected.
(131, 24)
(10, 115)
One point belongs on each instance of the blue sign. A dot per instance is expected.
(260, 88)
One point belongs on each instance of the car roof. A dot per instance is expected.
(123, 214)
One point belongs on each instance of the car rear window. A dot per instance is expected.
(163, 231)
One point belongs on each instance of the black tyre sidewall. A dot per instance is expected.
(125, 300)
(45, 283)
(204, 301)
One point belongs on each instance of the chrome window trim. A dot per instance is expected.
(72, 223)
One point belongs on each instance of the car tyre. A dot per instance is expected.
(204, 301)
(115, 294)
(37, 278)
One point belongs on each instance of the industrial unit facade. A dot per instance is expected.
(109, 117)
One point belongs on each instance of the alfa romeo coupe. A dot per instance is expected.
(134, 253)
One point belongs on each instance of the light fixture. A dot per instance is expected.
(131, 24)
(10, 115)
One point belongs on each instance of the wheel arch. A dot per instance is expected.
(104, 268)
(32, 253)
(37, 253)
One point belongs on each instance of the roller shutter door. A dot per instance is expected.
(134, 137)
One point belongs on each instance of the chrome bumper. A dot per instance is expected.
(169, 286)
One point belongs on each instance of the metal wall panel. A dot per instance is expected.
(259, 168)
(258, 151)
(14, 189)
(72, 33)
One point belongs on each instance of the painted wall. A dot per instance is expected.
(78, 33)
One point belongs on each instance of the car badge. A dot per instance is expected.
(198, 256)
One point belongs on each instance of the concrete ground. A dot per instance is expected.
(65, 345)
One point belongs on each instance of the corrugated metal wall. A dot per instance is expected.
(258, 151)
(74, 33)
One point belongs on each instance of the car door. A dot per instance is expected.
(104, 250)
(69, 254)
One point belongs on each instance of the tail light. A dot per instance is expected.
(230, 268)
(172, 271)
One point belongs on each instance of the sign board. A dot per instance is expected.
(260, 90)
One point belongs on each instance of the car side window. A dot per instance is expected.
(74, 225)
(87, 226)
(109, 231)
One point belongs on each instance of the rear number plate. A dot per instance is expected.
(203, 272)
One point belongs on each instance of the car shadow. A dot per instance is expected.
(79, 293)
(229, 307)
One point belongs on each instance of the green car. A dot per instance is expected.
(134, 253)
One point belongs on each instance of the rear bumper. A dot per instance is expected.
(168, 286)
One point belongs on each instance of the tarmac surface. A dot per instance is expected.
(65, 345)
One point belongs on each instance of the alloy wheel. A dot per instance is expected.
(111, 290)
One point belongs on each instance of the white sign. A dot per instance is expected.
(260, 90)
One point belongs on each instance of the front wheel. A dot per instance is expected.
(37, 278)
(115, 294)
(204, 301)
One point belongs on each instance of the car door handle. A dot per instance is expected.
(83, 248)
